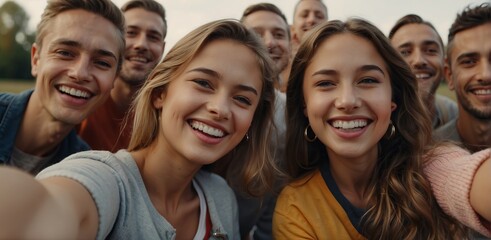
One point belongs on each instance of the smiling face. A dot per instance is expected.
(76, 66)
(308, 14)
(208, 108)
(347, 94)
(420, 47)
(469, 73)
(144, 44)
(273, 30)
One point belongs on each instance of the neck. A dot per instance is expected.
(167, 179)
(39, 132)
(353, 175)
(475, 133)
(122, 94)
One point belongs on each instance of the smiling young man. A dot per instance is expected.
(468, 73)
(306, 15)
(109, 128)
(75, 59)
(421, 46)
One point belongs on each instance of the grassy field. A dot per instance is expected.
(19, 86)
(15, 86)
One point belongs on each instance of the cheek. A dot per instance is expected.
(106, 82)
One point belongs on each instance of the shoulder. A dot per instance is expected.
(448, 131)
(211, 182)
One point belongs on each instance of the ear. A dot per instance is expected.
(158, 97)
(34, 59)
(393, 106)
(294, 36)
(447, 70)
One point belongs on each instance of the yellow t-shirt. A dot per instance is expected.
(307, 209)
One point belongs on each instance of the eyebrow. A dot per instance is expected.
(362, 68)
(215, 74)
(72, 43)
(466, 55)
(425, 43)
(151, 31)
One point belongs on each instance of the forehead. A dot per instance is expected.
(345, 52)
(310, 5)
(265, 19)
(472, 40)
(232, 61)
(91, 31)
(415, 34)
(141, 18)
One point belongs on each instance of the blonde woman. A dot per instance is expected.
(210, 99)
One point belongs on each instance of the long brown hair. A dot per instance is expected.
(401, 204)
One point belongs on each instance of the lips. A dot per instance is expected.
(423, 76)
(207, 129)
(73, 92)
(349, 124)
(139, 59)
(482, 91)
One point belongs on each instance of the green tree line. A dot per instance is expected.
(15, 42)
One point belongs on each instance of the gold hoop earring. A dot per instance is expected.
(392, 131)
(306, 134)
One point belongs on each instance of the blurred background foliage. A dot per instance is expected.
(15, 43)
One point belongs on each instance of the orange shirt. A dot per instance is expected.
(107, 128)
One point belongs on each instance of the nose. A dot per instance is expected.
(311, 19)
(80, 69)
(219, 107)
(269, 40)
(141, 42)
(347, 98)
(485, 72)
(418, 59)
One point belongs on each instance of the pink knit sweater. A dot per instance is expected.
(450, 170)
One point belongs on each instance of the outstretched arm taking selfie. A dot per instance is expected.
(53, 208)
(480, 195)
(461, 184)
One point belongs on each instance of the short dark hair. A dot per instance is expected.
(413, 19)
(149, 5)
(470, 17)
(265, 7)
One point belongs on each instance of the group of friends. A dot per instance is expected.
(248, 129)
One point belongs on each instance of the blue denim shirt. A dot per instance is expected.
(12, 109)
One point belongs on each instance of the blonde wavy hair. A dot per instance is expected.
(401, 203)
(249, 165)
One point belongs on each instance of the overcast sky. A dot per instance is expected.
(185, 15)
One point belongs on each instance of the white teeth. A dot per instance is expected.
(74, 92)
(422, 75)
(139, 59)
(482, 91)
(207, 129)
(349, 124)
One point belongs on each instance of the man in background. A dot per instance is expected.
(267, 20)
(109, 127)
(75, 59)
(421, 46)
(306, 15)
(468, 73)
